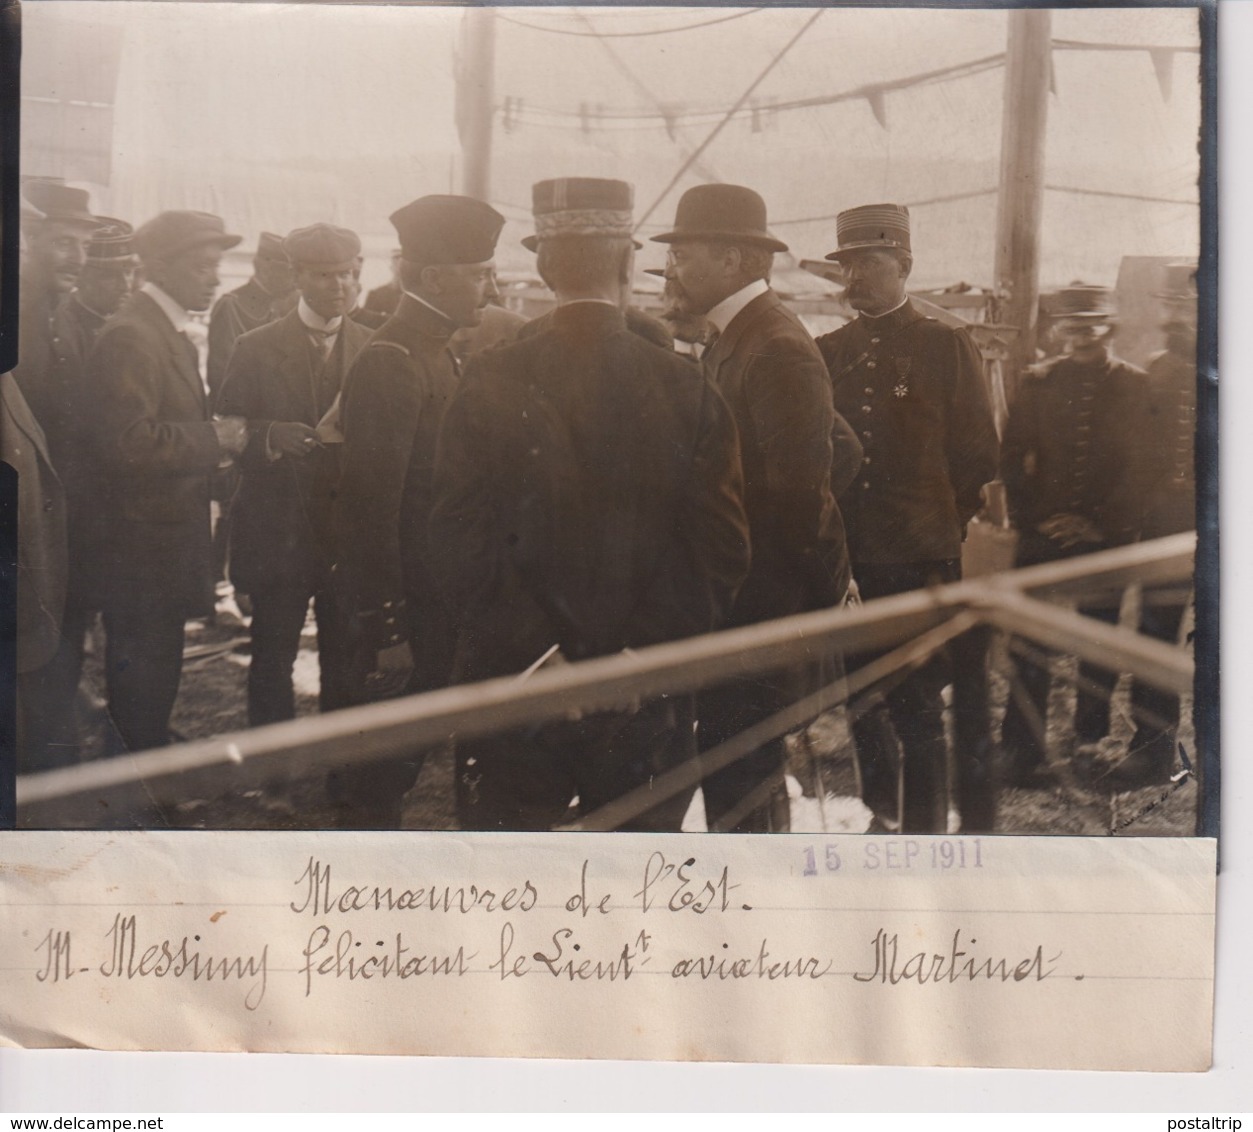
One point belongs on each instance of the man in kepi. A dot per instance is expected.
(394, 400)
(768, 369)
(915, 392)
(158, 448)
(1074, 472)
(587, 500)
(283, 378)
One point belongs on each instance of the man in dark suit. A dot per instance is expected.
(158, 447)
(587, 496)
(283, 378)
(915, 390)
(766, 365)
(393, 403)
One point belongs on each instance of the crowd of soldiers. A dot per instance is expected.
(464, 495)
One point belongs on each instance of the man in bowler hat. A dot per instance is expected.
(915, 392)
(283, 378)
(768, 369)
(587, 499)
(394, 400)
(1074, 472)
(158, 448)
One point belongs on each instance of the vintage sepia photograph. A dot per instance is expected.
(656, 419)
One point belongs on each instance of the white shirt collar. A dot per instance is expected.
(884, 314)
(172, 310)
(604, 302)
(315, 321)
(429, 306)
(725, 311)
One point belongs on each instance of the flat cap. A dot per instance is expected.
(322, 243)
(447, 229)
(270, 246)
(110, 244)
(172, 233)
(581, 206)
(58, 201)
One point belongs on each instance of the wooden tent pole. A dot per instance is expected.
(1020, 204)
(476, 94)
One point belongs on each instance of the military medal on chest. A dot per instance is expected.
(901, 388)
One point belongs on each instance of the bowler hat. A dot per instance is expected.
(1085, 301)
(171, 233)
(580, 206)
(443, 229)
(871, 226)
(721, 212)
(322, 243)
(110, 244)
(1178, 283)
(270, 246)
(58, 201)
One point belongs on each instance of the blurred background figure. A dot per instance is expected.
(386, 298)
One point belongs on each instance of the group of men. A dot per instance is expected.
(457, 512)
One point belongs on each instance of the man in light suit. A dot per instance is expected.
(766, 365)
(158, 449)
(283, 378)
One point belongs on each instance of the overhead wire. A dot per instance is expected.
(598, 34)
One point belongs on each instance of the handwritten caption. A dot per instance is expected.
(589, 931)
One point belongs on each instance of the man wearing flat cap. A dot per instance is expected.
(587, 500)
(394, 399)
(766, 365)
(914, 390)
(283, 378)
(1075, 483)
(158, 448)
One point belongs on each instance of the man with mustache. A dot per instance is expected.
(766, 366)
(914, 391)
(394, 400)
(158, 448)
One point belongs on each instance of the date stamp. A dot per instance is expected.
(893, 854)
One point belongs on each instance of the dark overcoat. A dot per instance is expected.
(914, 391)
(1170, 505)
(236, 313)
(797, 454)
(587, 494)
(280, 514)
(1074, 444)
(157, 452)
(394, 399)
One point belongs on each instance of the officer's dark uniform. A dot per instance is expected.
(913, 390)
(1073, 445)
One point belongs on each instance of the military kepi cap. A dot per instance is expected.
(61, 202)
(444, 229)
(581, 206)
(871, 226)
(322, 243)
(110, 244)
(1089, 301)
(172, 233)
(270, 246)
(721, 212)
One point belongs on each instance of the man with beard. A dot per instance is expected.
(158, 448)
(915, 390)
(393, 403)
(283, 378)
(1073, 465)
(587, 499)
(768, 369)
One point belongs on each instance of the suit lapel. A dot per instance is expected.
(296, 364)
(175, 342)
(727, 341)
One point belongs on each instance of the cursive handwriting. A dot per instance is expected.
(321, 899)
(377, 961)
(723, 967)
(946, 967)
(679, 891)
(168, 959)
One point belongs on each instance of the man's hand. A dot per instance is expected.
(1071, 530)
(232, 433)
(292, 439)
(393, 667)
